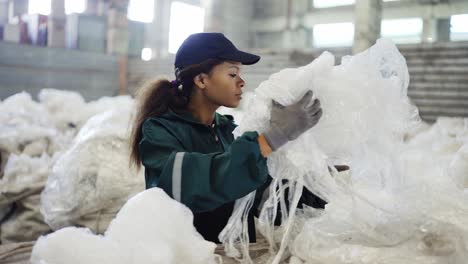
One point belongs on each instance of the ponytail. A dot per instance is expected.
(158, 96)
(151, 100)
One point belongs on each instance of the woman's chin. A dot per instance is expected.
(233, 104)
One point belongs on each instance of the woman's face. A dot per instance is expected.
(223, 86)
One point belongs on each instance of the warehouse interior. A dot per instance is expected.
(434, 43)
(69, 73)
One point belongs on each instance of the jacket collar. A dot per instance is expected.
(219, 120)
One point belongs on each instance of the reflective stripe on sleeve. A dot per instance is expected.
(177, 175)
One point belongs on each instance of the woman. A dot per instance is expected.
(188, 149)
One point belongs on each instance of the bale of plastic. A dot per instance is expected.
(28, 140)
(92, 179)
(21, 186)
(34, 135)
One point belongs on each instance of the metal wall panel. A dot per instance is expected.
(29, 68)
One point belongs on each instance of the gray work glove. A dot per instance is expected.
(289, 122)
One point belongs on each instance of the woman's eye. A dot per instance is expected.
(233, 75)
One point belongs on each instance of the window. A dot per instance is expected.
(407, 30)
(39, 7)
(331, 3)
(141, 10)
(180, 27)
(75, 6)
(459, 27)
(333, 35)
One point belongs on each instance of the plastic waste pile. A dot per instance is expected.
(397, 203)
(150, 228)
(20, 188)
(25, 127)
(93, 179)
(28, 143)
(35, 135)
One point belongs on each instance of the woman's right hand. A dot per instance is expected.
(289, 122)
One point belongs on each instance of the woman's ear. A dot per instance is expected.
(199, 80)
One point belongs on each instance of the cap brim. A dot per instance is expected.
(242, 57)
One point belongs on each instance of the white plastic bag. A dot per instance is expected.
(93, 176)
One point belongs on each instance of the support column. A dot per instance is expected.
(297, 38)
(368, 15)
(157, 32)
(231, 18)
(92, 7)
(151, 33)
(4, 6)
(56, 25)
(296, 35)
(429, 33)
(443, 29)
(12, 30)
(118, 39)
(57, 8)
(214, 19)
(117, 28)
(123, 75)
(19, 7)
(102, 7)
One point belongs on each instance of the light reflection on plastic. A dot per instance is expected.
(185, 20)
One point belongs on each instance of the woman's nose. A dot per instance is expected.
(241, 83)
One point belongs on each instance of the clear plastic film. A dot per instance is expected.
(236, 232)
(95, 166)
(21, 185)
(394, 203)
(93, 176)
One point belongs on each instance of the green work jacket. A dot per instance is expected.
(203, 167)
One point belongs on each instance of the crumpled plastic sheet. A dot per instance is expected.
(68, 109)
(458, 168)
(21, 185)
(93, 175)
(33, 130)
(23, 171)
(396, 204)
(29, 144)
(150, 228)
(25, 126)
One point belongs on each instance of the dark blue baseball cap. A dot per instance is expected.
(200, 47)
